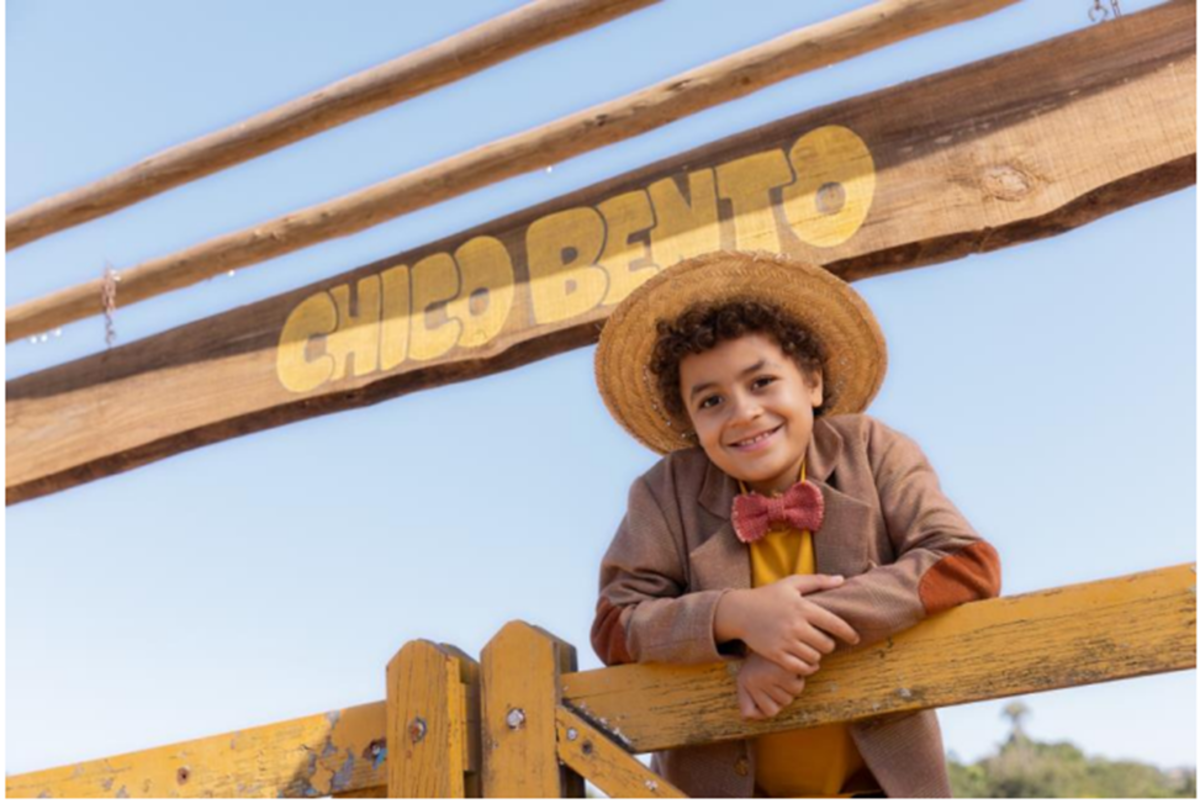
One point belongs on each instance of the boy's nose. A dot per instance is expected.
(746, 408)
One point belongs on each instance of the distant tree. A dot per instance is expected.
(1023, 768)
(1016, 711)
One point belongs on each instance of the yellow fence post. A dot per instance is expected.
(432, 722)
(521, 668)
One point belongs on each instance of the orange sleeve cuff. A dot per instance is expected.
(608, 636)
(969, 574)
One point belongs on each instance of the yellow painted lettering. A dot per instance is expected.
(357, 333)
(627, 263)
(834, 188)
(316, 315)
(393, 340)
(435, 282)
(684, 228)
(562, 250)
(487, 286)
(747, 184)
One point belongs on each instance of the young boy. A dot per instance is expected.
(782, 522)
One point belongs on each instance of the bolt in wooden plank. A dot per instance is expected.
(605, 763)
(521, 668)
(432, 722)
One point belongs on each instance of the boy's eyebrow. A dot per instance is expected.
(758, 366)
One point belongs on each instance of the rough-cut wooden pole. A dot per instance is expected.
(1097, 632)
(432, 723)
(606, 764)
(806, 49)
(521, 668)
(524, 29)
(970, 160)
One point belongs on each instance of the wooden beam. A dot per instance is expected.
(521, 668)
(806, 49)
(433, 722)
(531, 26)
(326, 754)
(606, 764)
(971, 160)
(1069, 636)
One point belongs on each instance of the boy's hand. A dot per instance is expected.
(765, 689)
(781, 625)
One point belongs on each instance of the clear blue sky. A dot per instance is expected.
(1053, 385)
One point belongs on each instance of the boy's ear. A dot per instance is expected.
(816, 384)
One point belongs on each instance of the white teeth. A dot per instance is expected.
(755, 440)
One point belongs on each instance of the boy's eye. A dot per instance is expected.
(765, 380)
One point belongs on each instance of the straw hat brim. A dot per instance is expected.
(820, 301)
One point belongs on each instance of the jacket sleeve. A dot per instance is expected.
(940, 562)
(644, 613)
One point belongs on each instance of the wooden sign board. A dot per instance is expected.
(1018, 147)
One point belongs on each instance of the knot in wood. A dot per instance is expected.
(1007, 183)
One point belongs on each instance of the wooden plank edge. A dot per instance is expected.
(603, 762)
(630, 702)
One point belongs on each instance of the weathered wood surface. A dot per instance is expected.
(1022, 146)
(1071, 636)
(735, 76)
(605, 763)
(433, 723)
(529, 27)
(521, 668)
(336, 752)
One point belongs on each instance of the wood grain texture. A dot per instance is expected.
(806, 49)
(524, 29)
(325, 754)
(1130, 626)
(433, 722)
(521, 667)
(606, 764)
(1019, 147)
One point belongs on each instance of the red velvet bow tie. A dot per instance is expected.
(801, 506)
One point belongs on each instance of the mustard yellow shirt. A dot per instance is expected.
(814, 762)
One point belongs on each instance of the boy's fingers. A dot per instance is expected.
(825, 620)
(816, 582)
(780, 695)
(795, 687)
(817, 640)
(766, 705)
(746, 704)
(798, 667)
(806, 654)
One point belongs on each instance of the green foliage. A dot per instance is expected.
(1023, 768)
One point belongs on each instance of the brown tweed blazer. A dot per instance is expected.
(905, 550)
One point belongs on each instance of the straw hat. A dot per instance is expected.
(817, 299)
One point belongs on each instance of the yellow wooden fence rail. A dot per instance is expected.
(525, 723)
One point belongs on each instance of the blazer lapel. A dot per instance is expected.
(721, 560)
(841, 544)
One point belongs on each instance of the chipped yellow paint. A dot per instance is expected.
(433, 722)
(605, 763)
(339, 751)
(1129, 626)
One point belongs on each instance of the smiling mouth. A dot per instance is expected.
(756, 440)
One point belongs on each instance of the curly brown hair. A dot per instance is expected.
(705, 325)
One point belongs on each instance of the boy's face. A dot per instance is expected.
(752, 409)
